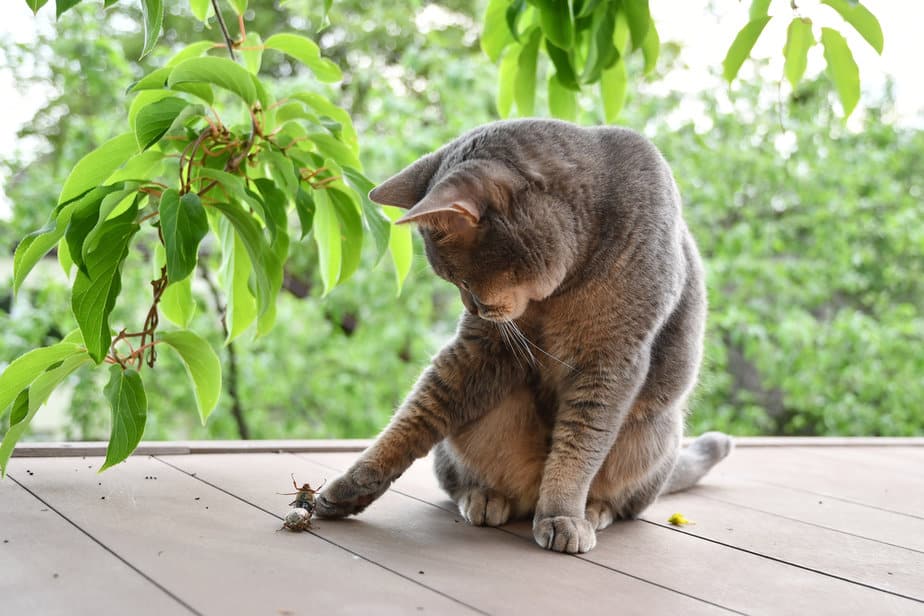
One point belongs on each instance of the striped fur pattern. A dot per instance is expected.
(563, 394)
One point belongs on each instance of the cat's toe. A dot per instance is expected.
(484, 508)
(565, 534)
(598, 514)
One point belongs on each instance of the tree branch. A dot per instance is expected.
(224, 29)
(237, 409)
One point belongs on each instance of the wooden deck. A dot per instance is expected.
(781, 527)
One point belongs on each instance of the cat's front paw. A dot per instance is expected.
(565, 534)
(351, 493)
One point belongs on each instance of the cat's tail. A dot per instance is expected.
(696, 460)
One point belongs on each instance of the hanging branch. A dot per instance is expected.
(224, 29)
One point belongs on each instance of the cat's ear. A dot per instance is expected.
(406, 188)
(444, 209)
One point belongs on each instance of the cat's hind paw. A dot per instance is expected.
(565, 534)
(599, 514)
(484, 507)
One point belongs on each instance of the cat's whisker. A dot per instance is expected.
(522, 341)
(540, 349)
(506, 336)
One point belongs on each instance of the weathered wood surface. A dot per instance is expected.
(797, 529)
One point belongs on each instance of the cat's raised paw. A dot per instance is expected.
(565, 534)
(352, 492)
(484, 507)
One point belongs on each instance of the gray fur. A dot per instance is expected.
(563, 393)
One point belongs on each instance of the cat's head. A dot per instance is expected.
(487, 226)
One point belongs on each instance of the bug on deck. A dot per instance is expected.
(304, 496)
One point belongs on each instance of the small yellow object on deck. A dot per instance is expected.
(678, 520)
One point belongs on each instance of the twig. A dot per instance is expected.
(237, 409)
(224, 29)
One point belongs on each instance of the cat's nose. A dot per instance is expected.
(485, 311)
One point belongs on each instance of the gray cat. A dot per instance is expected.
(563, 393)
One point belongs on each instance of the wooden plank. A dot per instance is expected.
(859, 560)
(213, 551)
(835, 514)
(793, 468)
(887, 460)
(98, 448)
(497, 573)
(734, 578)
(49, 567)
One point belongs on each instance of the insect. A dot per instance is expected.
(304, 496)
(299, 517)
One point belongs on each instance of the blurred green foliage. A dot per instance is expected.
(811, 233)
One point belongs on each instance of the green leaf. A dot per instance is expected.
(741, 47)
(307, 52)
(235, 272)
(129, 405)
(239, 6)
(351, 228)
(524, 87)
(39, 390)
(200, 9)
(193, 50)
(152, 121)
(842, 69)
(252, 51)
(613, 90)
(651, 48)
(639, 18)
(202, 366)
(798, 40)
(266, 264)
(400, 245)
(153, 15)
(329, 147)
(512, 16)
(183, 224)
(141, 167)
(26, 368)
(496, 34)
(602, 53)
(564, 72)
(759, 8)
(326, 228)
(557, 23)
(221, 72)
(326, 108)
(37, 244)
(20, 408)
(95, 292)
(506, 78)
(96, 166)
(176, 302)
(376, 221)
(858, 16)
(562, 101)
(304, 207)
(63, 5)
(35, 5)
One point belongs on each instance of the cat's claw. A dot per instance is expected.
(565, 534)
(352, 492)
(484, 507)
